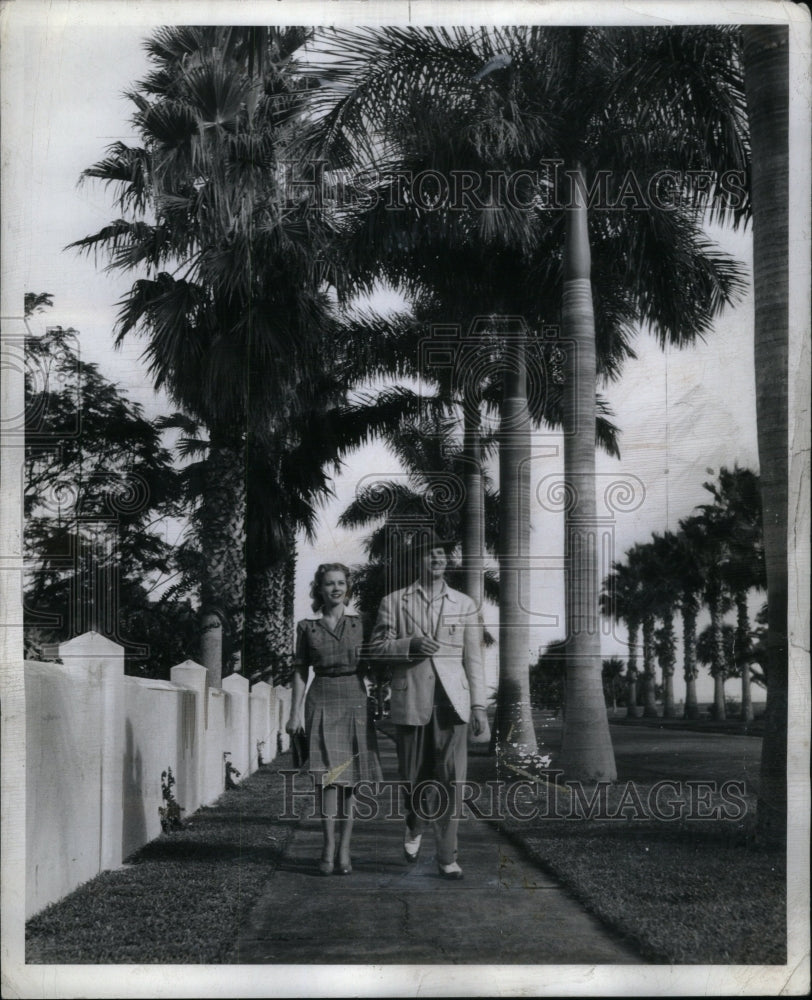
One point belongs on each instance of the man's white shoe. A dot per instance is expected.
(411, 846)
(450, 871)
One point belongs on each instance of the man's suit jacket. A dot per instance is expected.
(458, 663)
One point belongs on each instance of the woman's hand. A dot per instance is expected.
(295, 723)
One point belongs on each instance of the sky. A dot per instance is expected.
(682, 413)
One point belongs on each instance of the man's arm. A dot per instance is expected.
(475, 671)
(385, 644)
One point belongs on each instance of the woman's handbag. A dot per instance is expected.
(299, 749)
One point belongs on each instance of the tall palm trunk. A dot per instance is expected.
(714, 599)
(586, 748)
(222, 538)
(631, 670)
(514, 723)
(742, 654)
(649, 678)
(690, 609)
(473, 531)
(668, 662)
(766, 75)
(270, 624)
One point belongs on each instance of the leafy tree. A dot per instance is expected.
(97, 482)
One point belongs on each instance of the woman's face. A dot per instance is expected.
(333, 588)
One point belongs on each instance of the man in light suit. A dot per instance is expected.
(431, 637)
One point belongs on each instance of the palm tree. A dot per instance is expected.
(708, 539)
(552, 101)
(231, 303)
(737, 510)
(670, 589)
(766, 74)
(489, 365)
(645, 564)
(620, 600)
(685, 564)
(707, 652)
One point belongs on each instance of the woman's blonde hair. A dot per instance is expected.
(315, 587)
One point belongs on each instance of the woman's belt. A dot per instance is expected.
(330, 673)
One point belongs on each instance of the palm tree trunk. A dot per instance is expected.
(222, 538)
(689, 613)
(270, 624)
(668, 663)
(631, 670)
(284, 667)
(742, 654)
(766, 75)
(514, 721)
(586, 747)
(473, 529)
(717, 656)
(649, 679)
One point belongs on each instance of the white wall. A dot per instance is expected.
(97, 743)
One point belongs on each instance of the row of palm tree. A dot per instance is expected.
(239, 264)
(715, 559)
(420, 99)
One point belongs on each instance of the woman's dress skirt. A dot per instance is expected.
(343, 748)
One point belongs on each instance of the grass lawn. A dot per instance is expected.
(182, 896)
(682, 890)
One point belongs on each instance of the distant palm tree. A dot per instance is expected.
(737, 511)
(686, 568)
(708, 539)
(620, 600)
(642, 560)
(706, 652)
(669, 588)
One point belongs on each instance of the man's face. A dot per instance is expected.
(432, 564)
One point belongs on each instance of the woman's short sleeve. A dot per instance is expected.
(301, 653)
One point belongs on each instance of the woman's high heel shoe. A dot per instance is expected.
(344, 869)
(326, 865)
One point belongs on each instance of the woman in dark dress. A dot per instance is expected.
(334, 716)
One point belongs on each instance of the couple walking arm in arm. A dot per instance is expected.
(430, 636)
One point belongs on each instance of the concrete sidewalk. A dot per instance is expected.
(504, 911)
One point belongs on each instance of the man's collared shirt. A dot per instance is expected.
(429, 610)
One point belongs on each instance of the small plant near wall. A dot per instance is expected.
(171, 809)
(231, 771)
(260, 745)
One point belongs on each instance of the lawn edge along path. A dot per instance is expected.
(182, 897)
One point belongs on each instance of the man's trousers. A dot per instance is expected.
(436, 752)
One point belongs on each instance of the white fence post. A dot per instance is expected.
(237, 733)
(105, 659)
(194, 677)
(260, 725)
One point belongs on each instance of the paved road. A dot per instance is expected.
(504, 911)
